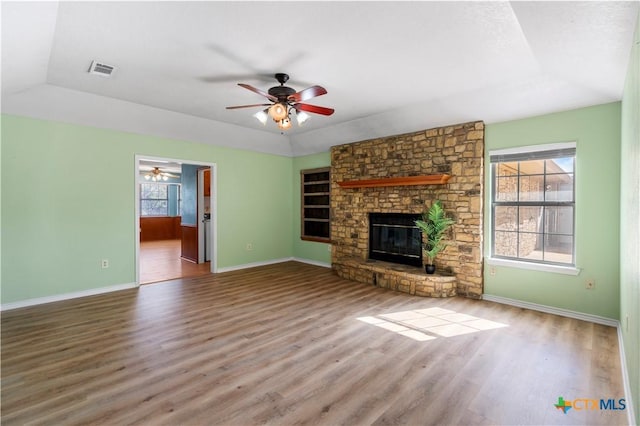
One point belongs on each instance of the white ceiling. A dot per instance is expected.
(389, 67)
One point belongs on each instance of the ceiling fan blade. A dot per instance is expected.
(314, 109)
(258, 91)
(308, 93)
(247, 106)
(169, 175)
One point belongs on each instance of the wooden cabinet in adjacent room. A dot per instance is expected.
(154, 228)
(207, 183)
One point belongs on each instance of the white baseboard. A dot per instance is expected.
(551, 310)
(254, 264)
(109, 289)
(65, 296)
(312, 262)
(625, 379)
(585, 317)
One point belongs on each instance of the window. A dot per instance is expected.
(533, 204)
(315, 193)
(154, 198)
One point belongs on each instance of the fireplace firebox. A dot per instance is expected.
(394, 237)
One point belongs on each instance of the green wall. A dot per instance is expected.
(309, 250)
(68, 201)
(596, 131)
(629, 218)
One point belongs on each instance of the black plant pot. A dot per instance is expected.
(430, 269)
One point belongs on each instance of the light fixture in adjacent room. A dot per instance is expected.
(156, 175)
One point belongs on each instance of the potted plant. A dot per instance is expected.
(433, 225)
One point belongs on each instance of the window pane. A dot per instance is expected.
(505, 243)
(558, 220)
(507, 188)
(507, 169)
(145, 189)
(153, 190)
(531, 188)
(559, 187)
(530, 246)
(530, 219)
(153, 208)
(506, 218)
(533, 167)
(154, 199)
(558, 248)
(560, 165)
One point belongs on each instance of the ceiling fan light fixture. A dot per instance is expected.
(301, 117)
(285, 99)
(285, 123)
(278, 111)
(262, 116)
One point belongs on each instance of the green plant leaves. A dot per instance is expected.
(434, 224)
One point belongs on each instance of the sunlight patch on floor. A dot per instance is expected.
(431, 323)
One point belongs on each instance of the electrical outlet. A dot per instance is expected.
(492, 271)
(590, 284)
(249, 247)
(329, 248)
(104, 263)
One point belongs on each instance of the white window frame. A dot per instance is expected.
(569, 269)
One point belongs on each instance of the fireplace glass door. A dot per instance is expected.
(394, 237)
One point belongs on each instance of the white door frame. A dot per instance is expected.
(213, 204)
(200, 216)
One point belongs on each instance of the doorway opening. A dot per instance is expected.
(175, 218)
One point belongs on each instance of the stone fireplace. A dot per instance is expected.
(392, 175)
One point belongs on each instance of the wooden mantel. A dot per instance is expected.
(437, 179)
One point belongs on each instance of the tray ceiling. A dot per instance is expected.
(389, 67)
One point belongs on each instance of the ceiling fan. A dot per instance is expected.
(156, 175)
(284, 100)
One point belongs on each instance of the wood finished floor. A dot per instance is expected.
(160, 261)
(294, 344)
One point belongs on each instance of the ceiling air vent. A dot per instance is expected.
(101, 69)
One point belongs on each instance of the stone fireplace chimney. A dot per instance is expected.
(456, 150)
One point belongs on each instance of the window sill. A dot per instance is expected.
(566, 270)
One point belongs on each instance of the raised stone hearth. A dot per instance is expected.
(404, 278)
(457, 151)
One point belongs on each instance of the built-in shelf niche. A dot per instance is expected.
(315, 209)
